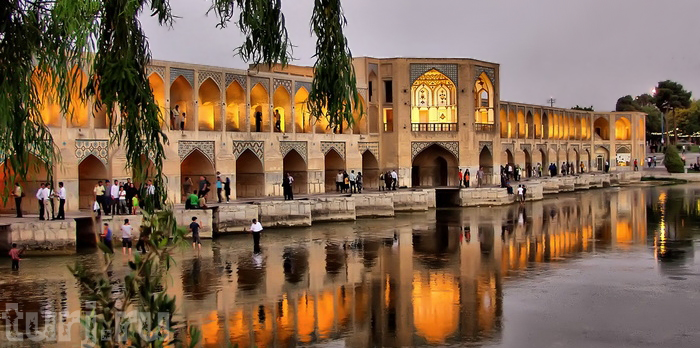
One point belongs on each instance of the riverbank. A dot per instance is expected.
(222, 219)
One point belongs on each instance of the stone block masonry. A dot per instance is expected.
(43, 237)
(374, 205)
(333, 209)
(235, 218)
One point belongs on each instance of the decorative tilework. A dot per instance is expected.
(508, 147)
(301, 147)
(97, 148)
(257, 147)
(363, 93)
(372, 147)
(418, 146)
(623, 149)
(338, 146)
(606, 147)
(186, 147)
(287, 84)
(526, 147)
(188, 74)
(214, 76)
(265, 82)
(490, 72)
(160, 70)
(449, 70)
(374, 68)
(486, 144)
(299, 84)
(235, 77)
(542, 147)
(553, 147)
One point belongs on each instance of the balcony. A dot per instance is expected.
(484, 127)
(434, 127)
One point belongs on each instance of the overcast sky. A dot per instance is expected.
(586, 52)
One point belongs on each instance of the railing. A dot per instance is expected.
(434, 127)
(484, 127)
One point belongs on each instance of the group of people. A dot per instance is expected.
(177, 118)
(119, 198)
(388, 181)
(348, 182)
(47, 199)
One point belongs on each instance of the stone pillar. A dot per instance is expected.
(195, 98)
(247, 103)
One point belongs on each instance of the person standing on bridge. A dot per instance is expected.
(18, 193)
(61, 196)
(460, 177)
(466, 178)
(480, 177)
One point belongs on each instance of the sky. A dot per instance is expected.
(580, 52)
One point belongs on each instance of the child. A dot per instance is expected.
(135, 204)
(126, 237)
(194, 228)
(15, 254)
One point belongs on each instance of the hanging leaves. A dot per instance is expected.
(333, 90)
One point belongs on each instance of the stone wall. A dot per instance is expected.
(285, 213)
(235, 218)
(339, 208)
(485, 196)
(408, 201)
(43, 237)
(183, 216)
(374, 205)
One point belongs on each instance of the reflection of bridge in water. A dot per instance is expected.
(434, 278)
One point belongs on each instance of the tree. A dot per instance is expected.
(653, 122)
(689, 119)
(44, 45)
(645, 99)
(583, 108)
(673, 161)
(670, 96)
(626, 103)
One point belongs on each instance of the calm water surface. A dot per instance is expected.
(608, 268)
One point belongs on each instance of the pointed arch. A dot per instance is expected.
(250, 176)
(512, 124)
(507, 158)
(602, 128)
(370, 170)
(235, 107)
(434, 166)
(503, 120)
(333, 163)
(90, 171)
(259, 109)
(157, 84)
(546, 126)
(528, 163)
(530, 128)
(302, 121)
(433, 99)
(209, 106)
(623, 129)
(294, 164)
(537, 125)
(522, 125)
(282, 110)
(486, 163)
(181, 95)
(359, 115)
(197, 165)
(484, 99)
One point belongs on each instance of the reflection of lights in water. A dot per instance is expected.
(660, 240)
(486, 301)
(435, 306)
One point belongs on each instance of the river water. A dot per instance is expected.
(602, 268)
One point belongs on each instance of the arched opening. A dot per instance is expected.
(565, 124)
(209, 106)
(373, 98)
(235, 107)
(577, 162)
(486, 164)
(158, 88)
(542, 160)
(333, 163)
(260, 109)
(370, 170)
(528, 164)
(553, 157)
(522, 126)
(585, 132)
(602, 128)
(434, 166)
(483, 99)
(545, 126)
(624, 156)
(586, 158)
(181, 96)
(623, 129)
(530, 122)
(36, 174)
(282, 110)
(90, 171)
(602, 155)
(78, 109)
(433, 101)
(373, 119)
(302, 122)
(507, 158)
(49, 109)
(503, 120)
(360, 117)
(537, 125)
(512, 124)
(100, 116)
(295, 165)
(196, 164)
(250, 176)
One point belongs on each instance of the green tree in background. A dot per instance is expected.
(583, 108)
(689, 119)
(627, 103)
(673, 161)
(669, 97)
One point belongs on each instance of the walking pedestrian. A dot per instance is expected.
(256, 229)
(126, 237)
(219, 188)
(636, 166)
(18, 193)
(61, 196)
(107, 237)
(395, 180)
(227, 189)
(15, 256)
(194, 228)
(204, 186)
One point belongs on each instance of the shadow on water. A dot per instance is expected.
(434, 278)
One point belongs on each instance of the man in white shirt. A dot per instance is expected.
(256, 228)
(394, 179)
(521, 197)
(40, 197)
(114, 193)
(61, 195)
(339, 181)
(353, 183)
(50, 195)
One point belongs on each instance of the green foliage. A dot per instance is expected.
(671, 95)
(263, 24)
(673, 161)
(626, 103)
(333, 91)
(583, 108)
(653, 122)
(689, 119)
